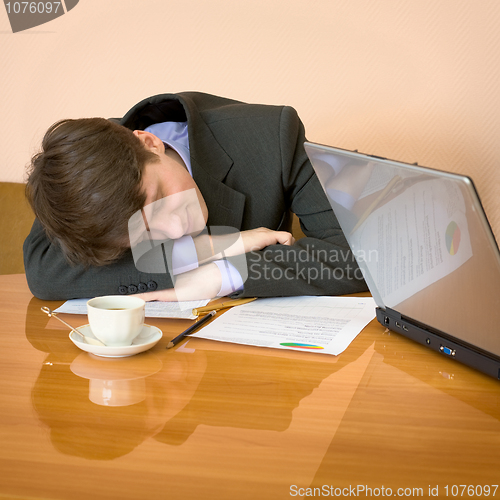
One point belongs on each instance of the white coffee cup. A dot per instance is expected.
(116, 320)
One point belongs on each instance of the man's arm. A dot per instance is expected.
(51, 277)
(319, 264)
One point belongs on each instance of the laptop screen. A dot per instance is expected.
(421, 239)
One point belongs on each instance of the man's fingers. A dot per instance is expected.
(285, 238)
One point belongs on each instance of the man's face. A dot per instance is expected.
(174, 205)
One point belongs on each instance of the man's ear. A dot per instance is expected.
(150, 141)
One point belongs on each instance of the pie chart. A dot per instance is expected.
(452, 238)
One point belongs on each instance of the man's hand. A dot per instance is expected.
(201, 283)
(215, 247)
(257, 239)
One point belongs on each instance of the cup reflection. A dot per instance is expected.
(116, 382)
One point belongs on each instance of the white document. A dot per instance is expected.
(320, 324)
(182, 310)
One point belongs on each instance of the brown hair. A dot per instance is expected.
(84, 186)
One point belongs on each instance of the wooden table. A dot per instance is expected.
(214, 420)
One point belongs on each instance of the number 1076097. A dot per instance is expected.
(464, 490)
(33, 7)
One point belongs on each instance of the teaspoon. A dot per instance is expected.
(89, 340)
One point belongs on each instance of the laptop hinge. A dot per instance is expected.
(393, 313)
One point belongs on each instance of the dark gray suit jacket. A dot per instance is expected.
(250, 165)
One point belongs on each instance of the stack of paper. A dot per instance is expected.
(320, 324)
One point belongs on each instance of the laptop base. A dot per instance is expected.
(395, 322)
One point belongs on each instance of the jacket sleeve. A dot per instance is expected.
(51, 277)
(319, 264)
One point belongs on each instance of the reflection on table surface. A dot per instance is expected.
(217, 420)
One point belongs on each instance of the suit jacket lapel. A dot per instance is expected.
(225, 205)
(210, 165)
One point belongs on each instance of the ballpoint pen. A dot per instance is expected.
(191, 329)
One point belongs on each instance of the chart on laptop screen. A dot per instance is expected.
(417, 238)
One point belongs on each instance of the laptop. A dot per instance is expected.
(426, 250)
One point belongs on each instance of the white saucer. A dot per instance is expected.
(149, 336)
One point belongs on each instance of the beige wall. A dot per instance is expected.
(414, 80)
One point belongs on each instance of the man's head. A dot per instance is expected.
(174, 205)
(85, 184)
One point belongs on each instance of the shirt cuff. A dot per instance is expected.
(231, 278)
(184, 256)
